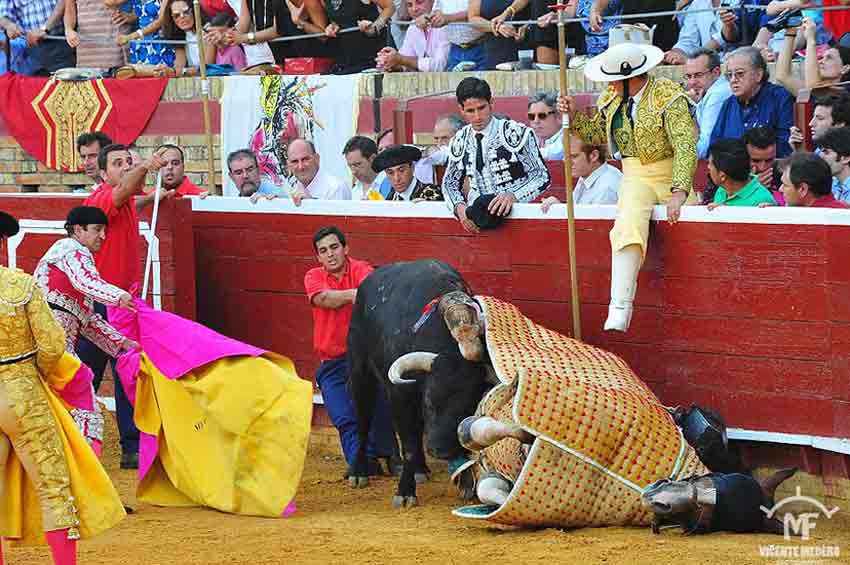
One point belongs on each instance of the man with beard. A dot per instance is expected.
(173, 173)
(244, 171)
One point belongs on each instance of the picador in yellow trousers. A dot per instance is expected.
(647, 123)
(51, 483)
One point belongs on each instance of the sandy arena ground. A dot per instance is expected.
(336, 524)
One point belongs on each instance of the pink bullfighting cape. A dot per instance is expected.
(223, 424)
(601, 435)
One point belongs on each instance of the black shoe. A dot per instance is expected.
(129, 460)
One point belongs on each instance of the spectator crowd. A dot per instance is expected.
(409, 35)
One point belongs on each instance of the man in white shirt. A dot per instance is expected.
(359, 153)
(709, 89)
(703, 29)
(598, 182)
(302, 162)
(445, 129)
(545, 120)
(425, 48)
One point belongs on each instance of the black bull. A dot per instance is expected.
(384, 328)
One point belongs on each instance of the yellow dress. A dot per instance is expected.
(49, 477)
(231, 435)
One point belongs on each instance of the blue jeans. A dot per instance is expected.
(91, 355)
(475, 54)
(332, 378)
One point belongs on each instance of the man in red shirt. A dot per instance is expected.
(174, 175)
(807, 181)
(118, 262)
(332, 289)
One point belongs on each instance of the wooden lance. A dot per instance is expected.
(568, 174)
(205, 97)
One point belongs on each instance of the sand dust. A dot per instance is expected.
(336, 524)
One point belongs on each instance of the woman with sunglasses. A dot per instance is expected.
(178, 22)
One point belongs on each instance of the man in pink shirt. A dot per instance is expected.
(425, 48)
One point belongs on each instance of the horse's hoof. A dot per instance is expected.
(404, 501)
(421, 478)
(358, 482)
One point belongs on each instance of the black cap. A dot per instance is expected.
(85, 215)
(395, 155)
(482, 217)
(8, 225)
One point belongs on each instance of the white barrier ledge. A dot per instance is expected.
(725, 214)
(837, 445)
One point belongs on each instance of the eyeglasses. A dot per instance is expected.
(538, 115)
(183, 14)
(736, 75)
(694, 76)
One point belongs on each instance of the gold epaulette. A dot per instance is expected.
(664, 92)
(15, 287)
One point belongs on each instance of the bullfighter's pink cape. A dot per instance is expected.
(223, 424)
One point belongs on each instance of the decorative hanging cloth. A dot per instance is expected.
(45, 116)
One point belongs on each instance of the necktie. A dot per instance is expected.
(479, 155)
(629, 108)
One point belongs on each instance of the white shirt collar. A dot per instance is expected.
(487, 131)
(593, 177)
(556, 138)
(406, 194)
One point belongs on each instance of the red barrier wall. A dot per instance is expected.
(174, 230)
(751, 319)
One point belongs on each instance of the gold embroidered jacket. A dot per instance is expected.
(663, 128)
(27, 325)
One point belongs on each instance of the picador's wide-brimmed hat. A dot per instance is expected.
(8, 225)
(623, 61)
(395, 155)
(86, 215)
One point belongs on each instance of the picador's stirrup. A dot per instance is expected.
(464, 434)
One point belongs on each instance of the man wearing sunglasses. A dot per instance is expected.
(545, 120)
(709, 89)
(756, 102)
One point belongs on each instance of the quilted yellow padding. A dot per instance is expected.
(602, 435)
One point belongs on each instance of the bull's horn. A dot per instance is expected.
(416, 361)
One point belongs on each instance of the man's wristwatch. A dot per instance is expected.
(251, 37)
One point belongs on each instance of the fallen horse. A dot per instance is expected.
(570, 437)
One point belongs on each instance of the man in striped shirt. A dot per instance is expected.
(34, 19)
